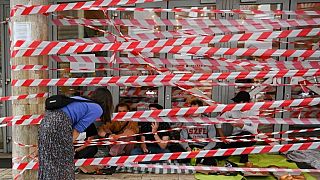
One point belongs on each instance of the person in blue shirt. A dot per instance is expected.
(60, 128)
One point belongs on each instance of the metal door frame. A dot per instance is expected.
(280, 92)
(6, 73)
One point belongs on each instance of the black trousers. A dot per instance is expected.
(244, 157)
(87, 152)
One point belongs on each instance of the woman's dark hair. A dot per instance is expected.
(104, 97)
(122, 105)
(157, 106)
(196, 102)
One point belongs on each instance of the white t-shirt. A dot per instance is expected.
(250, 127)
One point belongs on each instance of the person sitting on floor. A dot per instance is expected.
(85, 151)
(114, 130)
(153, 148)
(239, 128)
(199, 133)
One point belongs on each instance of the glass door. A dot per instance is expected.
(267, 93)
(301, 91)
(180, 98)
(139, 97)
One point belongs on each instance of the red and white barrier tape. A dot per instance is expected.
(175, 68)
(203, 62)
(156, 61)
(24, 96)
(199, 125)
(26, 10)
(201, 140)
(44, 9)
(212, 51)
(255, 24)
(217, 108)
(260, 120)
(197, 32)
(196, 50)
(182, 155)
(232, 11)
(160, 80)
(102, 40)
(36, 119)
(19, 118)
(178, 41)
(263, 135)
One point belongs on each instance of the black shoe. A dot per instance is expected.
(244, 159)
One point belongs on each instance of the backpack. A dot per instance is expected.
(60, 101)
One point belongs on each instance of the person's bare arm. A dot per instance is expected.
(75, 134)
(143, 145)
(162, 144)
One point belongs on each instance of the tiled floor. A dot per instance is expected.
(5, 174)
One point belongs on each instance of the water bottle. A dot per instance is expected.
(193, 161)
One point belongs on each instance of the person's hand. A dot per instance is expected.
(223, 139)
(102, 133)
(114, 137)
(189, 149)
(154, 127)
(239, 125)
(144, 148)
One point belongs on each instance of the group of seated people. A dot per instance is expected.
(117, 129)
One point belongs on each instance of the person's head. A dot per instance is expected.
(196, 103)
(104, 97)
(122, 107)
(155, 106)
(242, 97)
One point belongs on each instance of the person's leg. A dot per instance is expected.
(117, 150)
(157, 150)
(56, 153)
(244, 157)
(129, 147)
(87, 152)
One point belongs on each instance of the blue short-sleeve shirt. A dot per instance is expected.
(82, 114)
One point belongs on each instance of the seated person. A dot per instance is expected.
(87, 151)
(116, 129)
(239, 128)
(84, 151)
(198, 133)
(153, 148)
